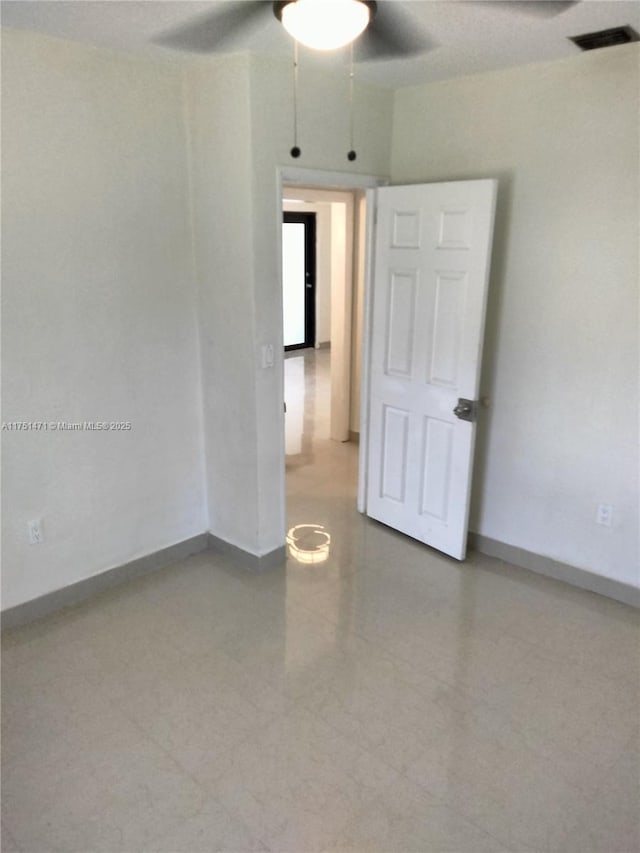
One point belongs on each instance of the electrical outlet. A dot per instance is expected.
(604, 515)
(36, 531)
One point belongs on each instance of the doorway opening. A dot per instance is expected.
(322, 381)
(338, 287)
(321, 376)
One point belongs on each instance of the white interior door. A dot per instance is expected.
(430, 277)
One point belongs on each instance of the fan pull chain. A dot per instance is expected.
(295, 151)
(352, 154)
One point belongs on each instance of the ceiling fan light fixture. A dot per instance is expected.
(324, 24)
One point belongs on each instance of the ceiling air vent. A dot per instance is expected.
(605, 38)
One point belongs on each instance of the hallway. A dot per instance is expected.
(321, 474)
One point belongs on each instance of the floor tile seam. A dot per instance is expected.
(476, 817)
(469, 818)
(394, 655)
(350, 632)
(363, 750)
(550, 760)
(84, 681)
(331, 845)
(10, 646)
(631, 744)
(209, 796)
(368, 749)
(272, 844)
(534, 650)
(588, 628)
(47, 621)
(58, 644)
(319, 611)
(540, 754)
(135, 721)
(27, 663)
(569, 661)
(369, 752)
(38, 683)
(496, 633)
(524, 746)
(269, 840)
(558, 658)
(130, 810)
(208, 706)
(390, 655)
(597, 726)
(241, 595)
(398, 662)
(507, 633)
(102, 680)
(592, 671)
(254, 703)
(262, 682)
(149, 738)
(221, 634)
(317, 614)
(17, 844)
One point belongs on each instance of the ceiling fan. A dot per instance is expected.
(379, 30)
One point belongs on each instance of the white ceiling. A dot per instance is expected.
(470, 37)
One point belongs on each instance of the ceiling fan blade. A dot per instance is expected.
(392, 34)
(536, 8)
(212, 31)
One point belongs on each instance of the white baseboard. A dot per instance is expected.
(582, 578)
(74, 593)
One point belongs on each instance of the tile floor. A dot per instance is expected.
(386, 699)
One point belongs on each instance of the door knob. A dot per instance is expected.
(466, 410)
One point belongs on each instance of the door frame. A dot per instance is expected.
(309, 222)
(293, 176)
(365, 370)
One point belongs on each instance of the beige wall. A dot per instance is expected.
(99, 318)
(122, 177)
(561, 355)
(323, 140)
(219, 120)
(140, 282)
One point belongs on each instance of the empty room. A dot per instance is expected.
(402, 615)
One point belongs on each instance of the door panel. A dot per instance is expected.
(431, 266)
(400, 326)
(436, 468)
(446, 328)
(394, 454)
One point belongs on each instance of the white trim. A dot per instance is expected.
(345, 181)
(247, 559)
(572, 575)
(74, 593)
(341, 320)
(365, 366)
(322, 178)
(341, 280)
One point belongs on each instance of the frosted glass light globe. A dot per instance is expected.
(325, 24)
